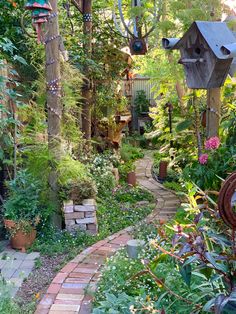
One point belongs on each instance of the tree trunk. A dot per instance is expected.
(86, 91)
(53, 80)
(213, 112)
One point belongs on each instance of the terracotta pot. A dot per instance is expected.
(131, 178)
(163, 170)
(20, 240)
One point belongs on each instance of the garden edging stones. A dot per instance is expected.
(72, 289)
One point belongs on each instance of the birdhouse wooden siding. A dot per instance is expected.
(203, 55)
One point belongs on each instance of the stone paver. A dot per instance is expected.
(15, 267)
(72, 289)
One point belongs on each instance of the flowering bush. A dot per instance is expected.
(203, 159)
(216, 163)
(101, 170)
(212, 143)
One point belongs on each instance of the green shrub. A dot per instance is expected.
(22, 203)
(79, 190)
(128, 152)
(70, 170)
(175, 186)
(125, 168)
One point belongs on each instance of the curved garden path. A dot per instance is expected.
(71, 289)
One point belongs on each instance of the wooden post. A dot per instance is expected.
(86, 91)
(53, 80)
(213, 112)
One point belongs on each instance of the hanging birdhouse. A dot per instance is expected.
(40, 12)
(207, 52)
(138, 46)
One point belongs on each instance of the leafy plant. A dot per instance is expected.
(79, 190)
(129, 152)
(141, 102)
(100, 169)
(70, 170)
(22, 204)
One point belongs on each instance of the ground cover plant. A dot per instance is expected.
(118, 209)
(186, 266)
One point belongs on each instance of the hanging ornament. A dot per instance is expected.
(134, 27)
(40, 13)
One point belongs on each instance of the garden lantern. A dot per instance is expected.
(138, 36)
(40, 12)
(207, 52)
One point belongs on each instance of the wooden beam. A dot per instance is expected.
(213, 112)
(79, 5)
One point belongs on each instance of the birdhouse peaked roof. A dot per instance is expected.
(216, 34)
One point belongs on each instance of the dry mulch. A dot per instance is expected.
(36, 284)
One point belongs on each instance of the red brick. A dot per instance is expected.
(77, 280)
(72, 302)
(68, 268)
(47, 300)
(86, 265)
(85, 270)
(92, 226)
(100, 243)
(60, 277)
(54, 288)
(80, 275)
(72, 291)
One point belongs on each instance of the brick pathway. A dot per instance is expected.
(70, 291)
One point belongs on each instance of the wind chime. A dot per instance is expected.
(40, 13)
(138, 36)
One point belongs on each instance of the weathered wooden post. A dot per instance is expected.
(54, 107)
(86, 91)
(85, 8)
(213, 112)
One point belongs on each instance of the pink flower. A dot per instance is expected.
(212, 143)
(203, 159)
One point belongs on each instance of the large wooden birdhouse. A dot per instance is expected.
(207, 51)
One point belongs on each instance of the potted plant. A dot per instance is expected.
(131, 175)
(22, 210)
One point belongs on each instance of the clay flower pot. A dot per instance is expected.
(162, 170)
(131, 178)
(19, 239)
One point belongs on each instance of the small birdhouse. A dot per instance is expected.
(138, 46)
(207, 52)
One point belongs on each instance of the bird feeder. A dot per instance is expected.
(40, 12)
(207, 53)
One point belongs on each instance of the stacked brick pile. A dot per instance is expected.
(82, 216)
